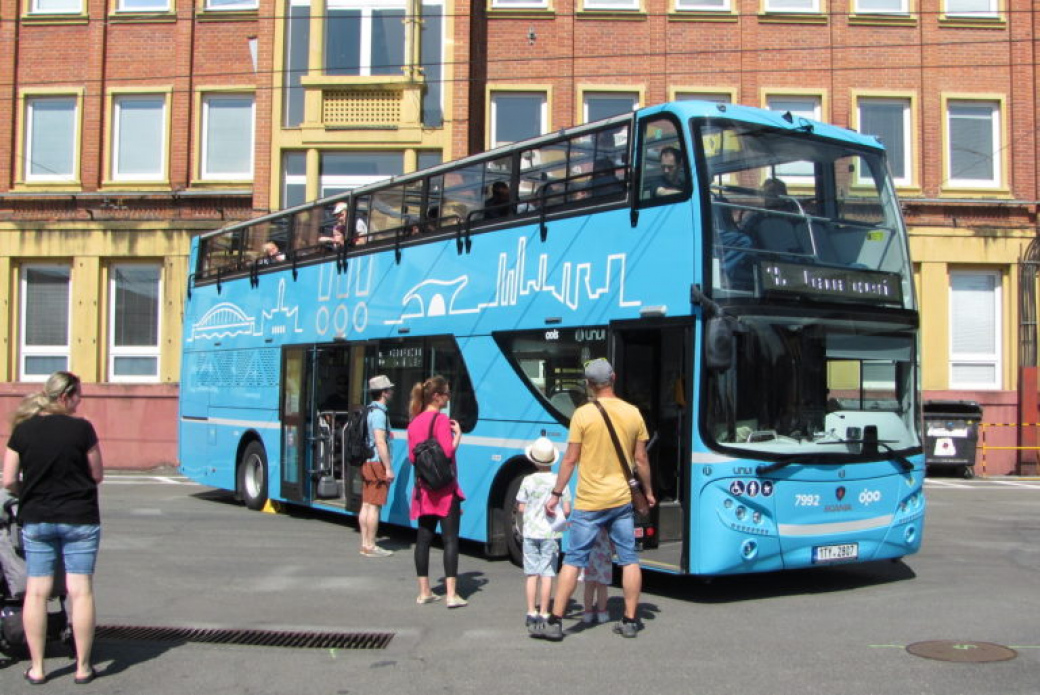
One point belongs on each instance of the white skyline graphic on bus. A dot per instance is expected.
(446, 297)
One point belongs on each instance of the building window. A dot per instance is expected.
(792, 6)
(704, 5)
(134, 292)
(364, 37)
(297, 60)
(50, 138)
(889, 121)
(44, 321)
(227, 131)
(975, 330)
(139, 138)
(517, 116)
(217, 5)
(144, 5)
(882, 7)
(972, 8)
(713, 97)
(294, 179)
(600, 105)
(56, 7)
(611, 5)
(799, 107)
(431, 47)
(973, 155)
(518, 4)
(343, 171)
(430, 158)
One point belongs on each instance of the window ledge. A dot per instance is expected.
(228, 15)
(136, 186)
(973, 22)
(702, 16)
(888, 20)
(230, 187)
(67, 187)
(521, 13)
(130, 17)
(792, 18)
(613, 15)
(949, 191)
(50, 19)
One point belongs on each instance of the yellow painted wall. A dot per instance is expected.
(938, 250)
(90, 248)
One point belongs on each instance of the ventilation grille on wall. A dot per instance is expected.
(361, 107)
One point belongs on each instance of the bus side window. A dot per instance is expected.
(664, 168)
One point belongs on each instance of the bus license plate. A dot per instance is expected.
(831, 553)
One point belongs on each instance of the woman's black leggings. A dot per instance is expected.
(449, 535)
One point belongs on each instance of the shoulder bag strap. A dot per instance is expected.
(614, 438)
(433, 421)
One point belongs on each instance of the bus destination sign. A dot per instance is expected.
(831, 283)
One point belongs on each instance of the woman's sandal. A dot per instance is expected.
(87, 678)
(34, 681)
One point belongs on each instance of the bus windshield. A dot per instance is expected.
(805, 386)
(794, 213)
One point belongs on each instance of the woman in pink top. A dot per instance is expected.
(431, 507)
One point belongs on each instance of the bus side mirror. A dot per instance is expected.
(718, 353)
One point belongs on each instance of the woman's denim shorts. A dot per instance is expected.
(76, 543)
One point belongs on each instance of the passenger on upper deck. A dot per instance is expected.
(272, 253)
(499, 204)
(337, 236)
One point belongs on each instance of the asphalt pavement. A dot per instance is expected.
(177, 555)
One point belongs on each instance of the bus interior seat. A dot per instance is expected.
(782, 235)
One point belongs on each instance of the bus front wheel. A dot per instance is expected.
(252, 476)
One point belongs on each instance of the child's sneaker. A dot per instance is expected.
(534, 623)
(604, 617)
(588, 617)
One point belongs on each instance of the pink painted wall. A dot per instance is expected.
(136, 423)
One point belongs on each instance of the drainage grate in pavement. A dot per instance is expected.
(967, 652)
(257, 638)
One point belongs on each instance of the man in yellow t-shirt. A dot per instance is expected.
(603, 498)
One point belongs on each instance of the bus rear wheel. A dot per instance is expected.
(252, 476)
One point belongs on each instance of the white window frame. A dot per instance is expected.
(611, 5)
(232, 5)
(992, 11)
(334, 184)
(996, 118)
(30, 126)
(246, 175)
(39, 7)
(366, 7)
(963, 314)
(519, 4)
(28, 351)
(704, 6)
(543, 124)
(117, 351)
(901, 7)
(908, 159)
(129, 6)
(808, 6)
(117, 126)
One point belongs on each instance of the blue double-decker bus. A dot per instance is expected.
(746, 271)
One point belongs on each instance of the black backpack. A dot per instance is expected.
(432, 466)
(356, 449)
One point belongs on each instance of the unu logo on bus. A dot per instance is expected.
(590, 334)
(840, 493)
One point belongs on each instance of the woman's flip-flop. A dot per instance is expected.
(87, 678)
(34, 681)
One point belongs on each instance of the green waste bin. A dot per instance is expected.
(951, 435)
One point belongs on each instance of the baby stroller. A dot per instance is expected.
(12, 587)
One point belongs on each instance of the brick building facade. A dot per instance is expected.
(341, 92)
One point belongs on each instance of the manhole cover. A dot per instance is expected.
(952, 650)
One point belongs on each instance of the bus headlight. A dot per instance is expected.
(749, 549)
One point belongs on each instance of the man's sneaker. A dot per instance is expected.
(535, 624)
(552, 630)
(627, 629)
